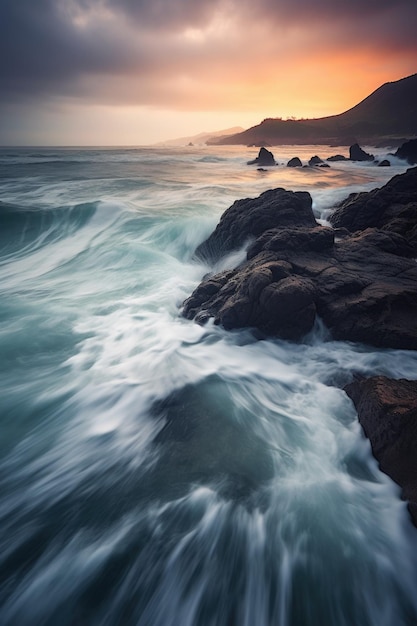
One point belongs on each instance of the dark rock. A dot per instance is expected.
(357, 154)
(294, 162)
(293, 239)
(249, 218)
(408, 152)
(323, 165)
(384, 163)
(337, 157)
(392, 207)
(264, 295)
(315, 160)
(363, 287)
(359, 286)
(387, 410)
(264, 158)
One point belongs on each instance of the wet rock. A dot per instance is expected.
(315, 160)
(387, 410)
(384, 163)
(264, 158)
(305, 239)
(392, 207)
(264, 295)
(247, 219)
(294, 162)
(408, 151)
(357, 154)
(363, 287)
(359, 286)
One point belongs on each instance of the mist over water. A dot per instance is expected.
(156, 472)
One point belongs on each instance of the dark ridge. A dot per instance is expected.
(387, 116)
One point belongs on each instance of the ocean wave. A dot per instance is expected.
(154, 471)
(24, 230)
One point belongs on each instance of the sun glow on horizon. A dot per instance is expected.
(131, 74)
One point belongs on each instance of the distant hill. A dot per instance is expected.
(202, 138)
(387, 116)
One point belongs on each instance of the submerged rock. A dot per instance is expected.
(387, 410)
(337, 157)
(264, 158)
(202, 443)
(357, 154)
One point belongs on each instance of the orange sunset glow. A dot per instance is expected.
(105, 73)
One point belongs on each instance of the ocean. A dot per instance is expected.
(155, 472)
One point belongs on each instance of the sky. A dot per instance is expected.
(135, 72)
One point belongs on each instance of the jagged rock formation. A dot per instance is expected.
(357, 154)
(363, 286)
(264, 158)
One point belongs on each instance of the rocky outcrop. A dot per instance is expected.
(408, 152)
(247, 219)
(384, 163)
(294, 162)
(392, 208)
(387, 410)
(363, 286)
(359, 287)
(264, 158)
(357, 154)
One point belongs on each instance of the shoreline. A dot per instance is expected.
(359, 278)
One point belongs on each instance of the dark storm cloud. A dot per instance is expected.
(162, 14)
(168, 14)
(385, 24)
(53, 46)
(42, 45)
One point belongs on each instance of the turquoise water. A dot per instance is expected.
(156, 472)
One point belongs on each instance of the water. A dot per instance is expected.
(155, 472)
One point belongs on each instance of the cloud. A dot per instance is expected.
(183, 51)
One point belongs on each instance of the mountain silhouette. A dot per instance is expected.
(389, 114)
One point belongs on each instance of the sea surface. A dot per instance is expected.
(154, 472)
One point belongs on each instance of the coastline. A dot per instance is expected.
(373, 300)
